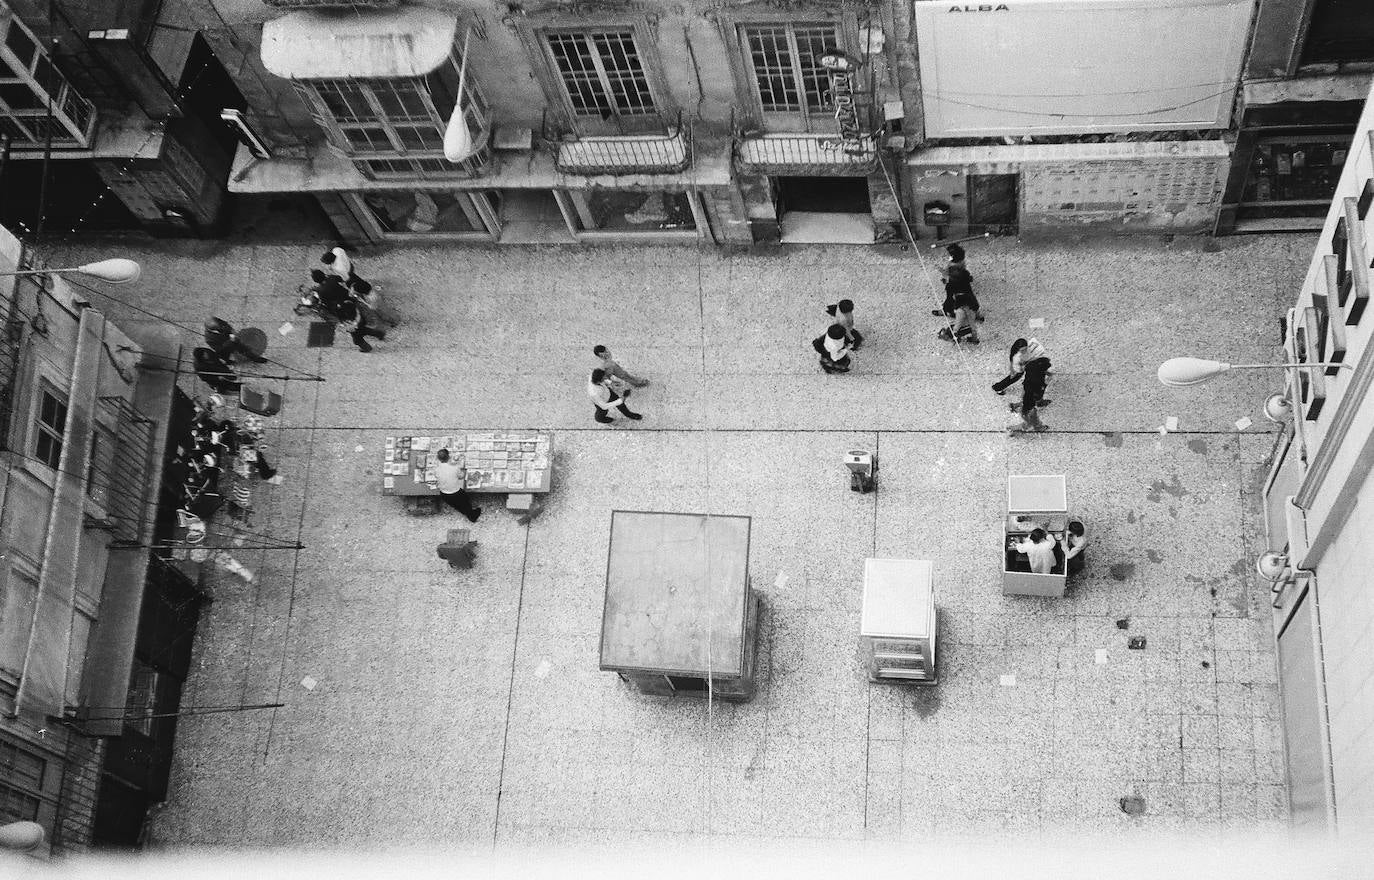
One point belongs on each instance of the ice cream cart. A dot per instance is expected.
(897, 626)
(679, 611)
(1034, 502)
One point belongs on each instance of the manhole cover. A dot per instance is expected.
(321, 335)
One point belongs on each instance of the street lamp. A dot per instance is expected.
(1182, 372)
(113, 271)
(21, 836)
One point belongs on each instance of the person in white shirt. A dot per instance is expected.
(449, 477)
(608, 403)
(1039, 549)
(837, 350)
(337, 263)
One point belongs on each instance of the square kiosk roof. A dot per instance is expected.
(897, 598)
(676, 593)
(1037, 494)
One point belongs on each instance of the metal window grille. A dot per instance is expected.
(787, 69)
(602, 73)
(26, 75)
(52, 422)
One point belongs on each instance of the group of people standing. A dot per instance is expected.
(1027, 361)
(214, 461)
(338, 292)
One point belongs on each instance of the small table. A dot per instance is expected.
(254, 341)
(493, 463)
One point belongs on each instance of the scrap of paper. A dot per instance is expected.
(286, 329)
(1171, 423)
(1037, 323)
(1100, 656)
(781, 580)
(1163, 430)
(1008, 681)
(542, 670)
(358, 448)
(1243, 422)
(308, 683)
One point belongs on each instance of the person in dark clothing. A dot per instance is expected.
(225, 343)
(1032, 396)
(1014, 367)
(213, 371)
(351, 316)
(328, 289)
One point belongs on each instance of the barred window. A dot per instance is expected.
(23, 773)
(602, 73)
(52, 423)
(787, 68)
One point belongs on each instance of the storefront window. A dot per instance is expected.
(1295, 172)
(421, 212)
(613, 210)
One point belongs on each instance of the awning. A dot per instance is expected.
(358, 44)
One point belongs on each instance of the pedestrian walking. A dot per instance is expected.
(225, 343)
(834, 349)
(962, 311)
(1034, 379)
(615, 370)
(352, 319)
(1015, 363)
(1025, 352)
(843, 313)
(449, 482)
(607, 401)
(957, 280)
(338, 263)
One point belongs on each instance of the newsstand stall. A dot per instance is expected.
(897, 627)
(1034, 502)
(680, 616)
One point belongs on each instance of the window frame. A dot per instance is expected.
(46, 792)
(385, 130)
(603, 78)
(797, 74)
(732, 29)
(39, 429)
(72, 113)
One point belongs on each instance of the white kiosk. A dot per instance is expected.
(897, 626)
(1034, 502)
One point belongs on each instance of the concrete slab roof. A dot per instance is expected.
(358, 44)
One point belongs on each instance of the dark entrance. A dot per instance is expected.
(992, 203)
(822, 195)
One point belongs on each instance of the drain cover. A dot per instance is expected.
(321, 335)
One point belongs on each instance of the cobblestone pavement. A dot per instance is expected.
(431, 721)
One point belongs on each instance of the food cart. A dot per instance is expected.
(679, 611)
(1034, 502)
(897, 626)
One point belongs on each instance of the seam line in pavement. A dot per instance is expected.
(295, 574)
(510, 694)
(1126, 431)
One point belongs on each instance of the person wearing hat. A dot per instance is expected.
(225, 343)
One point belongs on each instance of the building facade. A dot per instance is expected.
(81, 419)
(1319, 497)
(724, 121)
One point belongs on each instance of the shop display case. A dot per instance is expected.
(1034, 502)
(680, 616)
(898, 623)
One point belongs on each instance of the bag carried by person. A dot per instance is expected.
(819, 345)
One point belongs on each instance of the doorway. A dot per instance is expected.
(823, 210)
(992, 202)
(535, 216)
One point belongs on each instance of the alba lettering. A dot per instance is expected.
(981, 7)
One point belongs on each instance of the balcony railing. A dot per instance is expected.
(805, 154)
(667, 152)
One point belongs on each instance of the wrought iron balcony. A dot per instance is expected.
(805, 154)
(668, 152)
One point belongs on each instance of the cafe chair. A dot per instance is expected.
(458, 551)
(264, 403)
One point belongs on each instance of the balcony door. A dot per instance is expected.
(604, 80)
(791, 90)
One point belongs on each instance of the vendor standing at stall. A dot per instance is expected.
(1075, 542)
(1039, 550)
(449, 481)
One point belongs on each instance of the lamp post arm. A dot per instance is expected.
(1299, 366)
(36, 272)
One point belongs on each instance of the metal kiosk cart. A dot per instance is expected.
(897, 627)
(679, 610)
(1034, 502)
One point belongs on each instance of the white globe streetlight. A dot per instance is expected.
(1182, 372)
(116, 270)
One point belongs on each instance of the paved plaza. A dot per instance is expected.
(466, 709)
